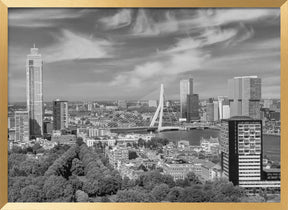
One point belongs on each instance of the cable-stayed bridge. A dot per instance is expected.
(159, 114)
(164, 119)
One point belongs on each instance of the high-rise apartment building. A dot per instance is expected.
(245, 96)
(60, 114)
(21, 126)
(186, 88)
(212, 111)
(225, 111)
(193, 107)
(241, 150)
(222, 101)
(47, 127)
(11, 121)
(216, 110)
(34, 92)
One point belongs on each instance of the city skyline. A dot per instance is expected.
(128, 53)
(175, 148)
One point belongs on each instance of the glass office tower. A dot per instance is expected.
(34, 92)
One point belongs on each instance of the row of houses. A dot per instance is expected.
(204, 169)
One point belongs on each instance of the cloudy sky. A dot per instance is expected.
(93, 54)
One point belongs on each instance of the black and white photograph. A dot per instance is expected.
(144, 105)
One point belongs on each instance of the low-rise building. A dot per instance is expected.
(183, 144)
(178, 171)
(210, 171)
(210, 146)
(91, 142)
(93, 132)
(118, 154)
(11, 135)
(271, 174)
(129, 170)
(69, 139)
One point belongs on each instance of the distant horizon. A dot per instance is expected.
(128, 100)
(125, 54)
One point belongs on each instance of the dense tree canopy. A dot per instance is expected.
(160, 192)
(134, 195)
(31, 193)
(175, 194)
(57, 187)
(80, 174)
(77, 167)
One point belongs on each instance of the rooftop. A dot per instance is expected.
(240, 118)
(208, 164)
(246, 77)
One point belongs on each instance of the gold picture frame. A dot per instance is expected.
(5, 4)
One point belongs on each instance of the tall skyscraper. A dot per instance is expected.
(60, 114)
(245, 96)
(193, 107)
(216, 110)
(241, 150)
(212, 112)
(21, 126)
(186, 88)
(34, 91)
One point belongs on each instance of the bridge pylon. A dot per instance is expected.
(159, 111)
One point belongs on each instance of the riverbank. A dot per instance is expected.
(271, 143)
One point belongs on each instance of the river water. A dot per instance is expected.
(271, 144)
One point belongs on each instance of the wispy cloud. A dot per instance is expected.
(141, 22)
(190, 54)
(157, 46)
(72, 46)
(208, 37)
(145, 25)
(219, 17)
(225, 16)
(268, 44)
(186, 55)
(41, 17)
(119, 20)
(174, 61)
(177, 21)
